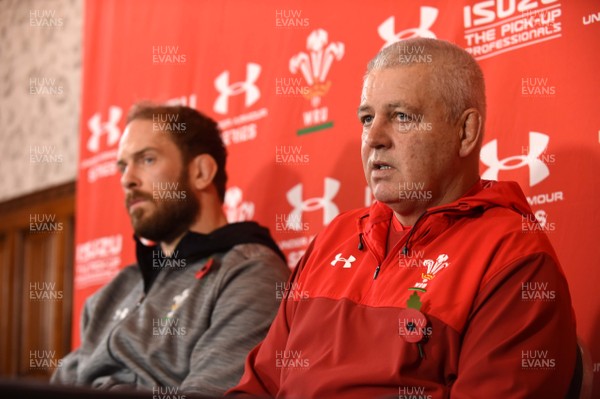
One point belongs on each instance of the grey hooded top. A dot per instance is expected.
(186, 322)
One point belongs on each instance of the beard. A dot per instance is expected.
(170, 218)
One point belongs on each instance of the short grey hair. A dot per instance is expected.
(455, 74)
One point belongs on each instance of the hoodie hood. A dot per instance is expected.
(490, 193)
(485, 194)
(195, 246)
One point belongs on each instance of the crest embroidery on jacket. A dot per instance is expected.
(432, 269)
(177, 301)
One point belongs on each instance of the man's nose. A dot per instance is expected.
(379, 133)
(129, 178)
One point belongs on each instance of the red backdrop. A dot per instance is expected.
(283, 80)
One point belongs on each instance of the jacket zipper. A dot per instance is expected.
(376, 272)
(405, 249)
(365, 243)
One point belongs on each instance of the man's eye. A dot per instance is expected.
(366, 119)
(149, 160)
(402, 117)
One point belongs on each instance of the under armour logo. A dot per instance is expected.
(538, 170)
(347, 262)
(330, 209)
(222, 85)
(236, 209)
(120, 314)
(110, 128)
(387, 29)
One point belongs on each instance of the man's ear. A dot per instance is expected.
(203, 169)
(471, 132)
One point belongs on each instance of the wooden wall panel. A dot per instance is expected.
(36, 278)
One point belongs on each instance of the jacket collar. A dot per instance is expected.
(374, 222)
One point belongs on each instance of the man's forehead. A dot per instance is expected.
(139, 134)
(395, 82)
(393, 73)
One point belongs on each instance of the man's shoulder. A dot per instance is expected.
(256, 255)
(126, 273)
(126, 276)
(507, 225)
(343, 225)
(248, 251)
(349, 218)
(121, 284)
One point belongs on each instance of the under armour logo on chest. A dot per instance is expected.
(347, 261)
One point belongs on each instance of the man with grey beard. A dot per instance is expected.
(203, 291)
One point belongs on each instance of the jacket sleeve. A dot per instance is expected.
(66, 372)
(243, 311)
(261, 375)
(520, 340)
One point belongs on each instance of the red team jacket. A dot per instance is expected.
(471, 303)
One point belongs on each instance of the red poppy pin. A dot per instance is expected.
(205, 269)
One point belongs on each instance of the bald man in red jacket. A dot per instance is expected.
(446, 287)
